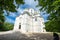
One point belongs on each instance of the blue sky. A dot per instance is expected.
(28, 4)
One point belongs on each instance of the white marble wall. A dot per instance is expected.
(28, 23)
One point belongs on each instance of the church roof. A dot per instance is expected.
(31, 12)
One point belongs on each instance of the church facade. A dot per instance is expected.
(29, 21)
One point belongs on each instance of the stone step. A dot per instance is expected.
(30, 36)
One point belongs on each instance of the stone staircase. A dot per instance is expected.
(28, 36)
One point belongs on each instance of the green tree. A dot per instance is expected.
(7, 26)
(1, 21)
(9, 6)
(53, 8)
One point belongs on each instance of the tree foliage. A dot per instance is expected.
(7, 26)
(53, 8)
(7, 5)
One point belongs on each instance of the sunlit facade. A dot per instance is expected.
(29, 21)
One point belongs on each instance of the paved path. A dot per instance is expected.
(10, 35)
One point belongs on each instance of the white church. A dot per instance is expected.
(29, 21)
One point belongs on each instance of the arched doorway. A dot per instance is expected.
(19, 25)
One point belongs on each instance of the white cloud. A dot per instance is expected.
(9, 20)
(12, 14)
(20, 10)
(28, 3)
(32, 3)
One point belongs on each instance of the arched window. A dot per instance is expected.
(19, 25)
(35, 19)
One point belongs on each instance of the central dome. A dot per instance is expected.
(31, 11)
